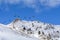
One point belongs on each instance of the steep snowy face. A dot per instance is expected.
(30, 30)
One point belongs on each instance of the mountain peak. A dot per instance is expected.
(17, 19)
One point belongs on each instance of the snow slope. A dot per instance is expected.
(8, 34)
(29, 30)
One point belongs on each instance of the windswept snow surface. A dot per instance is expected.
(29, 30)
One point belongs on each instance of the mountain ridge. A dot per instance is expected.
(34, 29)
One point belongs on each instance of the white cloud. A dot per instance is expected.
(50, 3)
(35, 4)
(54, 3)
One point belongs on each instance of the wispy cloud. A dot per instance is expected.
(36, 4)
(50, 3)
(11, 1)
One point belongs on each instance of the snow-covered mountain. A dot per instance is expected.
(29, 30)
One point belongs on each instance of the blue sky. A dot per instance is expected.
(41, 10)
